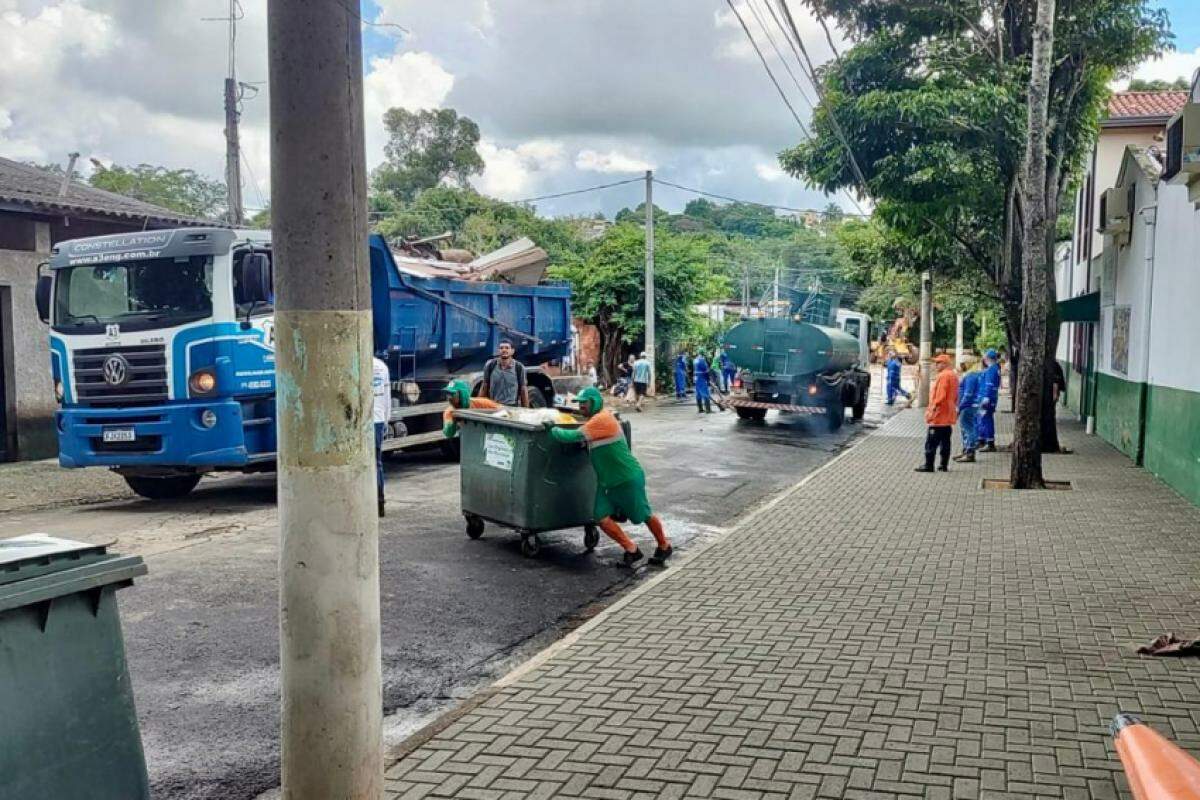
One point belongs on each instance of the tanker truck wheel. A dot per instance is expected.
(835, 414)
(170, 487)
(753, 414)
(860, 407)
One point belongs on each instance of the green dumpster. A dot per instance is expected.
(515, 475)
(68, 727)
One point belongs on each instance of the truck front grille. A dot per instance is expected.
(145, 380)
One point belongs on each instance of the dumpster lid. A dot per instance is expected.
(37, 568)
(34, 554)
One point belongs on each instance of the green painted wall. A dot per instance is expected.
(1119, 413)
(1173, 439)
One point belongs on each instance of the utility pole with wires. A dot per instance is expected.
(233, 96)
(775, 293)
(650, 354)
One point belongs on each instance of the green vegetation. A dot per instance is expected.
(1179, 84)
(181, 190)
(425, 149)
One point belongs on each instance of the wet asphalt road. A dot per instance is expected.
(201, 628)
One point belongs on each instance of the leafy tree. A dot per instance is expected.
(932, 102)
(1140, 85)
(425, 149)
(182, 190)
(261, 219)
(609, 286)
(834, 214)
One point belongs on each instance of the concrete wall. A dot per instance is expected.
(29, 378)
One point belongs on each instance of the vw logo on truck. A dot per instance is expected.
(116, 370)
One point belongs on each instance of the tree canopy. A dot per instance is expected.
(425, 149)
(1140, 85)
(182, 190)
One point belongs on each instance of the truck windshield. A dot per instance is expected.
(134, 294)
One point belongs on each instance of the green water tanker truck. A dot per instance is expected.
(794, 364)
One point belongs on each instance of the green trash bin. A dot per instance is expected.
(514, 474)
(68, 724)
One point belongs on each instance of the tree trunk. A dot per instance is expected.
(610, 351)
(1027, 455)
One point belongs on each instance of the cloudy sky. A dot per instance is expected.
(568, 93)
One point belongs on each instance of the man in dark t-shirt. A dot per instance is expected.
(504, 378)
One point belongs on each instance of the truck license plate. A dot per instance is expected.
(119, 435)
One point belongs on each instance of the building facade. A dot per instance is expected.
(1134, 119)
(38, 209)
(1146, 399)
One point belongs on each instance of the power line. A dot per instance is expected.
(751, 202)
(812, 76)
(754, 10)
(782, 95)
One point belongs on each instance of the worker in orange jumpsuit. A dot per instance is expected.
(621, 483)
(941, 415)
(458, 395)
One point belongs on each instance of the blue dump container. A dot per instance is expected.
(67, 722)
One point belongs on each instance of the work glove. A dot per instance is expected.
(548, 424)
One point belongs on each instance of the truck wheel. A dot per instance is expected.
(451, 449)
(166, 488)
(474, 526)
(755, 414)
(860, 408)
(591, 537)
(835, 414)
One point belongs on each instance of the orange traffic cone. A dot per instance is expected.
(1157, 769)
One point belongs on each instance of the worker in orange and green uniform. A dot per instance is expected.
(458, 394)
(621, 483)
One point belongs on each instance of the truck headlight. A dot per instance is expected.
(203, 381)
(208, 418)
(58, 391)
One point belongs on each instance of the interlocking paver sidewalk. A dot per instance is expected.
(875, 633)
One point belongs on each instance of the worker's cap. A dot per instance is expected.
(941, 359)
(992, 354)
(643, 355)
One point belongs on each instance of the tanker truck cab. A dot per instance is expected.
(162, 354)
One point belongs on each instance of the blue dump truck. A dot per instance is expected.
(163, 349)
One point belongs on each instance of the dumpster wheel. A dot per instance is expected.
(531, 545)
(474, 526)
(591, 537)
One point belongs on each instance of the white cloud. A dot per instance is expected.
(511, 173)
(1170, 66)
(403, 80)
(610, 162)
(769, 172)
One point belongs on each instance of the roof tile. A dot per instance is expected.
(26, 185)
(1136, 105)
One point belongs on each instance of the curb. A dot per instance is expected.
(400, 751)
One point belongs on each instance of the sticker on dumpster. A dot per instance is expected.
(497, 451)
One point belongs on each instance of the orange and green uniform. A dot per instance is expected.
(462, 393)
(621, 483)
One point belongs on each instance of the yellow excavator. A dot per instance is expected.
(896, 338)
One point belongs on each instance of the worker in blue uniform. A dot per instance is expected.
(681, 366)
(727, 372)
(700, 375)
(893, 379)
(988, 398)
(968, 412)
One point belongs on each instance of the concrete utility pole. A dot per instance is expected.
(233, 150)
(775, 293)
(958, 341)
(926, 351)
(650, 275)
(329, 539)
